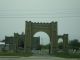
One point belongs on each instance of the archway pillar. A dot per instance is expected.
(53, 37)
(28, 37)
(65, 42)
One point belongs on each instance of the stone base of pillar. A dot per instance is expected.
(27, 50)
(54, 50)
(65, 50)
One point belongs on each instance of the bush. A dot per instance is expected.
(66, 55)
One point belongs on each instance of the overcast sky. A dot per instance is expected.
(14, 13)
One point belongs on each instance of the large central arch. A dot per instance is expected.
(49, 28)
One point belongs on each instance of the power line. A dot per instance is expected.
(42, 13)
(40, 17)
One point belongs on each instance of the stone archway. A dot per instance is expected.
(60, 44)
(65, 41)
(49, 28)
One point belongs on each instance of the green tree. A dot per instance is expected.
(45, 46)
(74, 44)
(60, 45)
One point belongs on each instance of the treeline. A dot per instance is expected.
(73, 44)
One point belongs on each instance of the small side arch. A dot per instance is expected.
(65, 41)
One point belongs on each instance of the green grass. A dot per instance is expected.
(14, 54)
(66, 55)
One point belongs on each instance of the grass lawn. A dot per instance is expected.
(14, 54)
(67, 55)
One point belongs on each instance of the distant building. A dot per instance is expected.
(2, 45)
(35, 43)
(11, 42)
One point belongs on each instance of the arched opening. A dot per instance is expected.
(60, 44)
(41, 42)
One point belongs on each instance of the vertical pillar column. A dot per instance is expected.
(16, 38)
(65, 42)
(27, 42)
(53, 37)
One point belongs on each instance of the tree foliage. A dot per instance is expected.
(45, 46)
(60, 45)
(74, 44)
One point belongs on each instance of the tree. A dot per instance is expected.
(45, 46)
(60, 45)
(74, 44)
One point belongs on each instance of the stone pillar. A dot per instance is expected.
(53, 37)
(65, 42)
(16, 38)
(28, 36)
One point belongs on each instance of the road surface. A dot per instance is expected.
(35, 58)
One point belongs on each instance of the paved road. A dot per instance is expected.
(36, 58)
